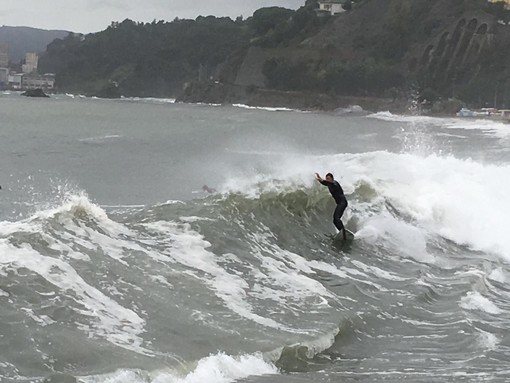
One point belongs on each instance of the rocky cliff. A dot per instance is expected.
(388, 49)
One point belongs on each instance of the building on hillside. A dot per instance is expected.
(4, 77)
(507, 2)
(334, 7)
(4, 55)
(15, 80)
(35, 81)
(31, 62)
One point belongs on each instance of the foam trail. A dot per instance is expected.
(117, 324)
(267, 108)
(107, 319)
(476, 301)
(494, 127)
(219, 368)
(190, 249)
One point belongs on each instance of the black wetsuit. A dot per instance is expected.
(341, 202)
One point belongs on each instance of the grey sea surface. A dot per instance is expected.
(116, 265)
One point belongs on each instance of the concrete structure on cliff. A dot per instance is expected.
(456, 47)
(332, 6)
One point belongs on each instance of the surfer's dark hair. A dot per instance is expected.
(330, 175)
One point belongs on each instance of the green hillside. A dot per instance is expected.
(388, 49)
(24, 39)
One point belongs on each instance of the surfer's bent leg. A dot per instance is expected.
(337, 216)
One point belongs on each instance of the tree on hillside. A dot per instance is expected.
(266, 19)
(148, 59)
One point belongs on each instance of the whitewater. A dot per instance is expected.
(116, 265)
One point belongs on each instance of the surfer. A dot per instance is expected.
(341, 202)
(209, 190)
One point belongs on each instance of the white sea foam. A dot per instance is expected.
(476, 301)
(109, 237)
(153, 100)
(460, 199)
(106, 137)
(42, 320)
(378, 272)
(86, 226)
(220, 368)
(189, 248)
(266, 108)
(498, 275)
(405, 238)
(281, 277)
(206, 104)
(293, 284)
(488, 340)
(495, 127)
(388, 116)
(107, 318)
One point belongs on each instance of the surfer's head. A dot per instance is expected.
(329, 177)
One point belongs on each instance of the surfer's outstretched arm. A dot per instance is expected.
(320, 180)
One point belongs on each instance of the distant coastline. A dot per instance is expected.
(217, 93)
(432, 57)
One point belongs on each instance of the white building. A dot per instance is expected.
(35, 81)
(334, 7)
(15, 80)
(31, 62)
(507, 2)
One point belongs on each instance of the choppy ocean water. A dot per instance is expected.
(116, 266)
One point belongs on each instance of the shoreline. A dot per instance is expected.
(219, 93)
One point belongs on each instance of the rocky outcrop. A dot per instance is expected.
(35, 93)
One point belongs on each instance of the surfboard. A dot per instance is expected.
(339, 237)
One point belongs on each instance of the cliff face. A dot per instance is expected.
(443, 48)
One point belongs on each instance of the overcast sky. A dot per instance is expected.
(95, 15)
